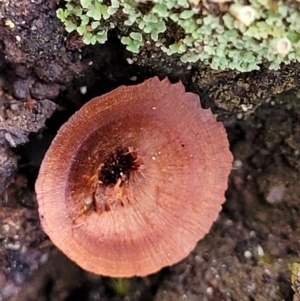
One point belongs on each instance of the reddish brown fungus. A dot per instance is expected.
(134, 179)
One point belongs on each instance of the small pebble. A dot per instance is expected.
(246, 107)
(14, 107)
(83, 90)
(260, 251)
(19, 278)
(8, 291)
(6, 228)
(209, 291)
(248, 254)
(240, 116)
(237, 164)
(44, 258)
(275, 194)
(44, 90)
(20, 89)
(268, 100)
(13, 246)
(268, 272)
(129, 61)
(10, 139)
(252, 234)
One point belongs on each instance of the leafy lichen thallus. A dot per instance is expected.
(110, 185)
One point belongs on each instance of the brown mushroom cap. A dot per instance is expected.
(152, 214)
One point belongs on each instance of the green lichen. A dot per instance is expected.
(220, 38)
(133, 42)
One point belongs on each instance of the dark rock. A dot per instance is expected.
(48, 71)
(20, 89)
(22, 71)
(2, 61)
(44, 91)
(8, 164)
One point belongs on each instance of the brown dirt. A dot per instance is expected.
(248, 252)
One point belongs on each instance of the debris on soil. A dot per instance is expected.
(247, 254)
(295, 279)
(18, 118)
(8, 165)
(22, 249)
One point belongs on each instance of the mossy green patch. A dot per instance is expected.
(223, 38)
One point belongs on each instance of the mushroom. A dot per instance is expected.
(134, 179)
(282, 45)
(244, 14)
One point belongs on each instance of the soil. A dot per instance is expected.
(251, 252)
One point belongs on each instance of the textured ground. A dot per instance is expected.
(246, 256)
(251, 251)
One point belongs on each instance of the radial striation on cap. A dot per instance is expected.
(134, 179)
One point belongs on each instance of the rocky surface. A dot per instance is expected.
(250, 251)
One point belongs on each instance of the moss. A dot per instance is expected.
(225, 36)
(121, 286)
